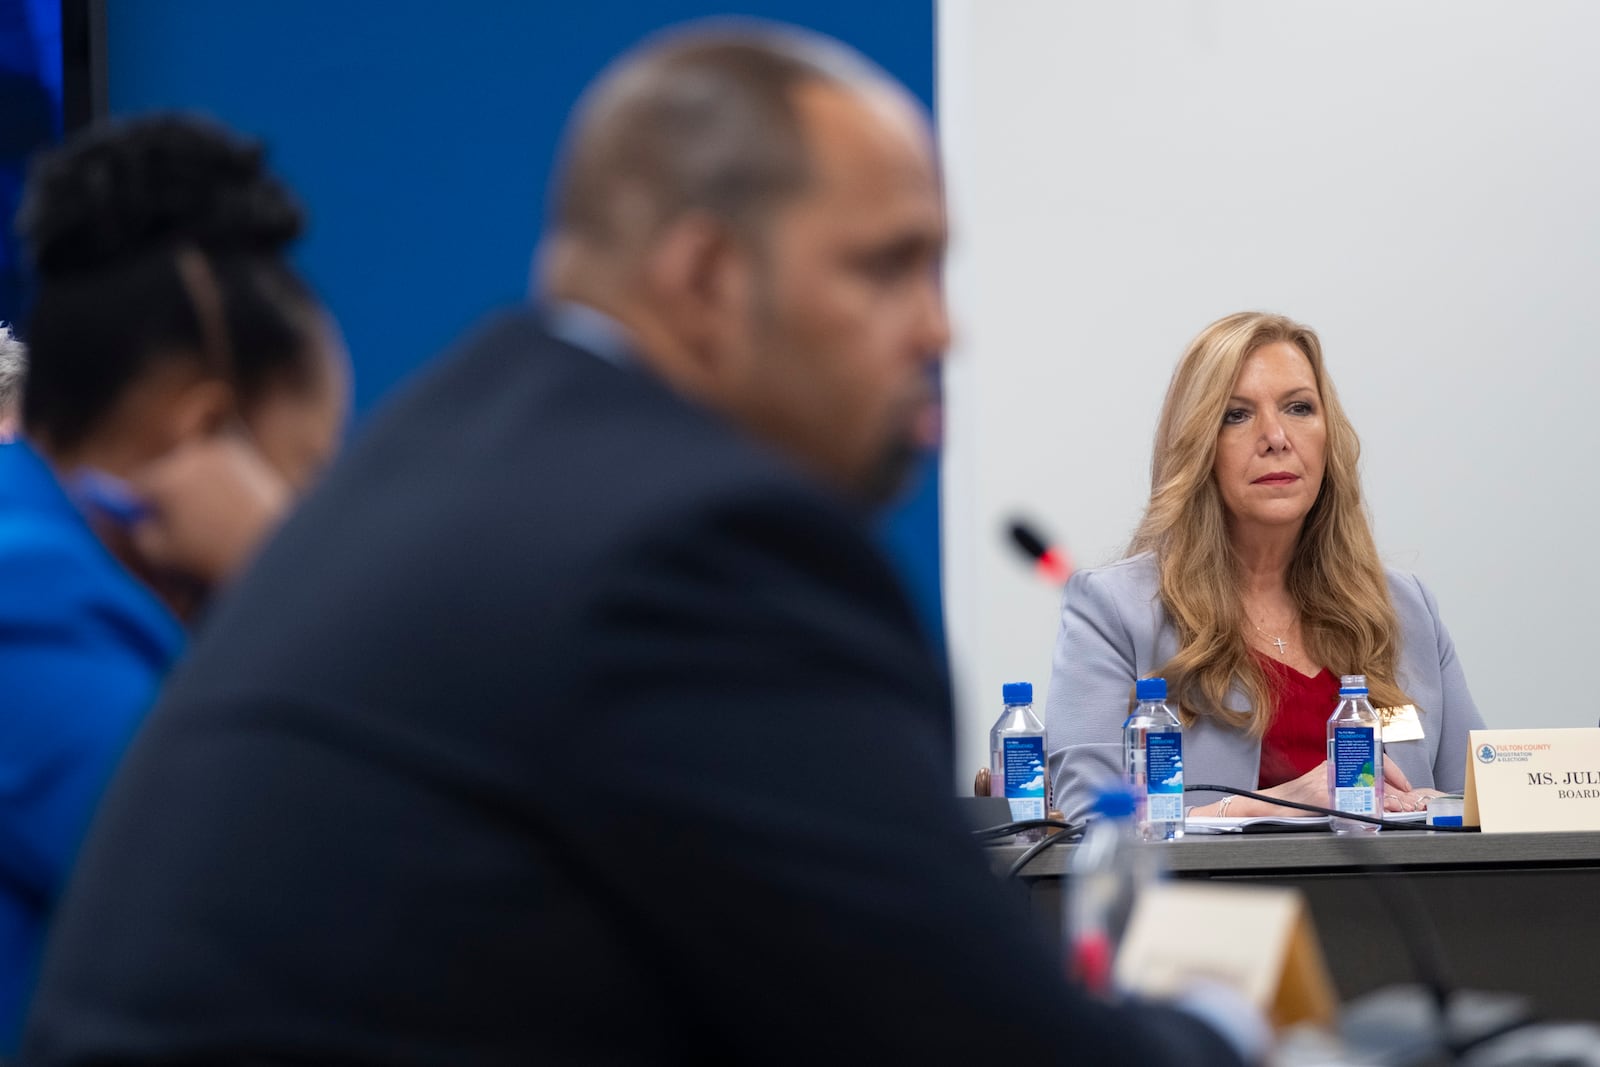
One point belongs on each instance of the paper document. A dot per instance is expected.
(1212, 824)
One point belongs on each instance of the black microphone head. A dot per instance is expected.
(1027, 539)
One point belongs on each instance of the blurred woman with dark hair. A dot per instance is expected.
(183, 386)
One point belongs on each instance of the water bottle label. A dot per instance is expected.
(1164, 766)
(1022, 764)
(1355, 761)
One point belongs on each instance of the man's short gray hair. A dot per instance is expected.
(13, 369)
(701, 117)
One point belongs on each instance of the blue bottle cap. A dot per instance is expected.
(1151, 689)
(1353, 685)
(1017, 692)
(1114, 802)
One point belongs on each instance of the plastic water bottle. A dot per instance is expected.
(1355, 757)
(1105, 874)
(1152, 761)
(1016, 757)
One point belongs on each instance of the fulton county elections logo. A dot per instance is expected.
(1485, 753)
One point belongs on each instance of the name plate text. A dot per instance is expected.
(1530, 780)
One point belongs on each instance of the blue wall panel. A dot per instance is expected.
(420, 134)
(30, 118)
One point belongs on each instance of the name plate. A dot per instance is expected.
(1256, 940)
(1529, 780)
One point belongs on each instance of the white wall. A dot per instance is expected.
(1419, 180)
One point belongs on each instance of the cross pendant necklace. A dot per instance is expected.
(1278, 641)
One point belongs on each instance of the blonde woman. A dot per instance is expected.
(1251, 585)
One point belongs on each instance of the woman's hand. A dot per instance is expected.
(1398, 794)
(1312, 788)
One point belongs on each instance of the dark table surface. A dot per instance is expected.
(1507, 912)
(1322, 851)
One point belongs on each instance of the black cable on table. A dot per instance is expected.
(1387, 824)
(1070, 833)
(1005, 829)
(1406, 910)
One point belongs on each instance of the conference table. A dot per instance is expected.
(1513, 913)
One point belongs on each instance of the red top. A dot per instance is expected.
(1297, 740)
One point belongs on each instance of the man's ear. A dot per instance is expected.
(699, 278)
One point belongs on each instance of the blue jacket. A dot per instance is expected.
(83, 648)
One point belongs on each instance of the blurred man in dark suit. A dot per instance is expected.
(591, 728)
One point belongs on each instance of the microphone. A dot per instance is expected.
(1052, 564)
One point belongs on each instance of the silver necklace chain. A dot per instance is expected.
(1278, 641)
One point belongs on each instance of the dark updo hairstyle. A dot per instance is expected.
(155, 239)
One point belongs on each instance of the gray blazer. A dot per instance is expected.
(1115, 630)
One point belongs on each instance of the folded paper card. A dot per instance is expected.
(1255, 939)
(1530, 780)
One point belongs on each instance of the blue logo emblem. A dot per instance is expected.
(1485, 753)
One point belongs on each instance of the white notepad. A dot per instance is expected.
(1212, 824)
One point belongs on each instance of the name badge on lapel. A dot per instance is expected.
(1401, 724)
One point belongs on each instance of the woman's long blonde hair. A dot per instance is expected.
(1335, 577)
